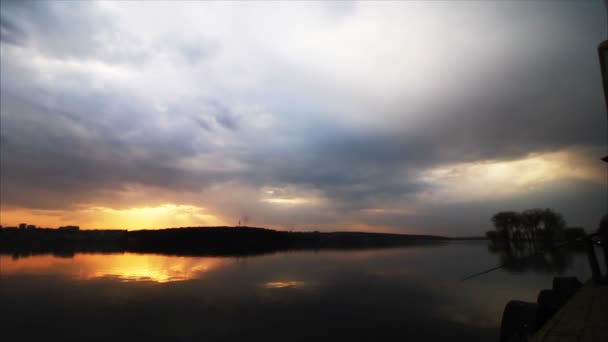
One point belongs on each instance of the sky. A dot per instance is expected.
(407, 117)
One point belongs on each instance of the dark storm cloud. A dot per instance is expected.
(542, 104)
(354, 171)
(66, 154)
(543, 96)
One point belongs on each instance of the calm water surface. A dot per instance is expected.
(405, 294)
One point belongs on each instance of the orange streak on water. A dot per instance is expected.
(125, 267)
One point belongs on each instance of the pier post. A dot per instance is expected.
(595, 267)
(602, 234)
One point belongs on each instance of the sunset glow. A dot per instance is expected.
(163, 216)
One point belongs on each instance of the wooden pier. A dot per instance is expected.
(584, 318)
(569, 312)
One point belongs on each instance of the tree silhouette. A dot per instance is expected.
(531, 225)
(507, 223)
(532, 220)
(553, 224)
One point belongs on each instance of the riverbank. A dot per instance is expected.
(195, 240)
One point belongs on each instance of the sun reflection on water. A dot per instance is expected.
(283, 284)
(124, 267)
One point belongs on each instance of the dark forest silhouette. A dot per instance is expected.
(193, 241)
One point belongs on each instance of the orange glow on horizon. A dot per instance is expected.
(171, 216)
(98, 217)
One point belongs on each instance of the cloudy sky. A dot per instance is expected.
(399, 116)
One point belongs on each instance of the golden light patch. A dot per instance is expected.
(160, 269)
(492, 179)
(283, 284)
(288, 201)
(290, 196)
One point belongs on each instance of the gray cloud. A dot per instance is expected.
(73, 134)
(61, 28)
(9, 32)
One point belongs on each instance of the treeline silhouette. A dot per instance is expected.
(236, 241)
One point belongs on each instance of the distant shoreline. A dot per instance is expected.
(237, 241)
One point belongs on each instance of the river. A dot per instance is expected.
(410, 293)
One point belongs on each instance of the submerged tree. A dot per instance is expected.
(553, 224)
(531, 222)
(531, 225)
(508, 223)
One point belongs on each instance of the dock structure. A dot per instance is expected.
(569, 312)
(584, 318)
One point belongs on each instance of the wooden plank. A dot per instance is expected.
(584, 318)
